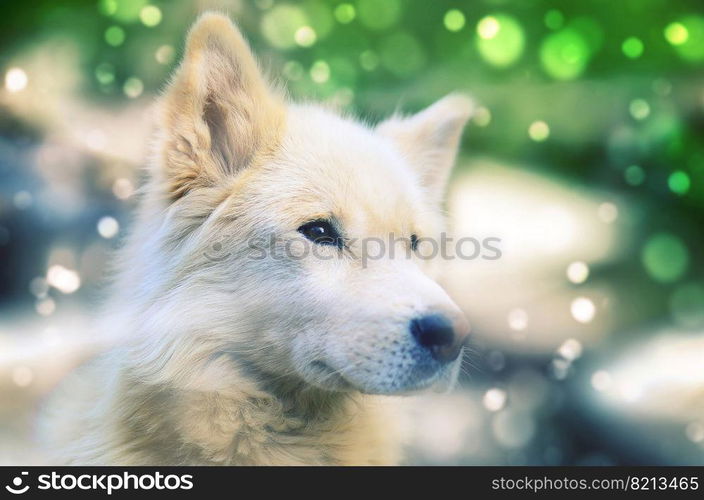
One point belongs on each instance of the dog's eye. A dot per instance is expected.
(414, 242)
(321, 232)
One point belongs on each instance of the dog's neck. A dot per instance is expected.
(297, 397)
(275, 423)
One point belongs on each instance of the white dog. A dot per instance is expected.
(233, 355)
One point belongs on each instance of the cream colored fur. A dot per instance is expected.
(220, 356)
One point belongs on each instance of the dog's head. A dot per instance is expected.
(291, 240)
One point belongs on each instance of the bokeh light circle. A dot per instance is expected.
(454, 20)
(115, 36)
(564, 55)
(345, 13)
(632, 47)
(665, 258)
(634, 175)
(402, 54)
(639, 109)
(687, 37)
(150, 15)
(554, 19)
(676, 33)
(539, 131)
(500, 40)
(583, 310)
(679, 182)
(577, 272)
(280, 24)
(377, 15)
(320, 71)
(16, 79)
(305, 36)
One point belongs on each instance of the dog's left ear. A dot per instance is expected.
(429, 139)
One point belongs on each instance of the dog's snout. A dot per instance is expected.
(437, 333)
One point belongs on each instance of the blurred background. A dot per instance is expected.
(586, 157)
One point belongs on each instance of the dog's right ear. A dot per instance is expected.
(218, 112)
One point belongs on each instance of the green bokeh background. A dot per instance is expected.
(586, 69)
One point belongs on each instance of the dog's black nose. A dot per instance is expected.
(436, 333)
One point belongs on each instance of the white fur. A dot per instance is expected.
(228, 359)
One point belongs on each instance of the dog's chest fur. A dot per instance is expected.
(255, 429)
(146, 425)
